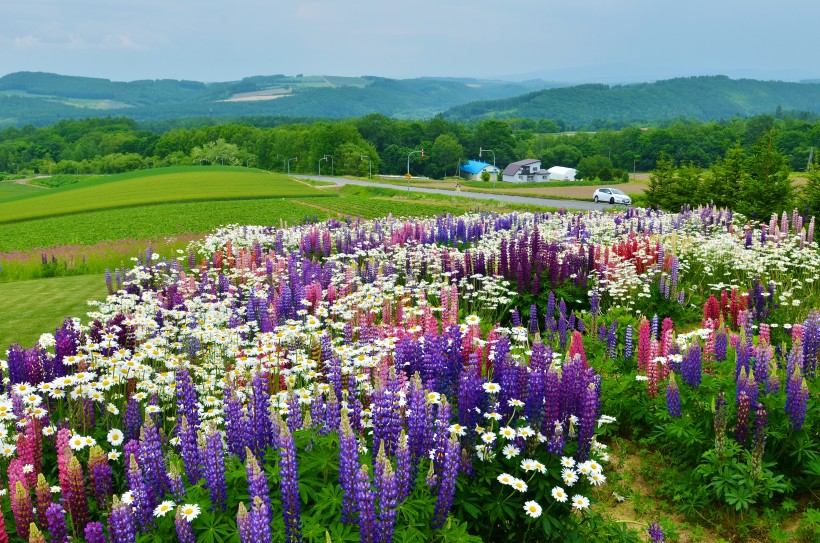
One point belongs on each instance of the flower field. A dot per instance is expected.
(453, 378)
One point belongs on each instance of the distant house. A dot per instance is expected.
(559, 173)
(525, 171)
(473, 168)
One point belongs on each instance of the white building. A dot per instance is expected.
(559, 173)
(525, 171)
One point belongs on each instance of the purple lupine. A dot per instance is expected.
(418, 420)
(691, 366)
(294, 421)
(387, 486)
(257, 481)
(588, 416)
(742, 428)
(185, 534)
(447, 482)
(366, 506)
(260, 516)
(403, 469)
(187, 403)
(214, 470)
(759, 440)
(143, 502)
(441, 431)
(673, 397)
(386, 419)
(763, 358)
(175, 482)
(236, 433)
(348, 466)
(260, 415)
(797, 395)
(133, 420)
(532, 325)
(811, 343)
(243, 524)
(151, 460)
(121, 526)
(612, 340)
(189, 450)
(94, 533)
(721, 344)
(56, 523)
(101, 475)
(656, 533)
(289, 486)
(628, 345)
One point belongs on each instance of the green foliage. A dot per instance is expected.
(597, 166)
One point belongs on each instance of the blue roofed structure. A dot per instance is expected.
(472, 169)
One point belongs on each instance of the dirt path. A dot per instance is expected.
(25, 181)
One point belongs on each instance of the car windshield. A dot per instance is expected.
(617, 191)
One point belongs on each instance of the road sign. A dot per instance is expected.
(408, 176)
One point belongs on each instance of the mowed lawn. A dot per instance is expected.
(146, 187)
(31, 308)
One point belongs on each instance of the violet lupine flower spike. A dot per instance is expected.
(185, 534)
(366, 505)
(121, 524)
(289, 486)
(673, 397)
(56, 523)
(447, 484)
(656, 533)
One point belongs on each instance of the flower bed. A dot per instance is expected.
(376, 381)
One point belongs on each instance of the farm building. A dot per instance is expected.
(559, 173)
(473, 168)
(523, 171)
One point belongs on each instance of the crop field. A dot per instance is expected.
(427, 373)
(166, 185)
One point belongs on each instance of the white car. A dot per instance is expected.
(613, 196)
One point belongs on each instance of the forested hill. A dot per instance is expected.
(704, 98)
(43, 98)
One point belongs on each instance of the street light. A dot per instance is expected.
(482, 150)
(411, 153)
(296, 158)
(331, 163)
(370, 168)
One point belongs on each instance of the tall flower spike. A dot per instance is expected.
(185, 534)
(56, 523)
(121, 526)
(22, 509)
(289, 486)
(673, 397)
(94, 533)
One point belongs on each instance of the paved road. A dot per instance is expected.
(546, 202)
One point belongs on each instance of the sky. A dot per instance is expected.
(606, 41)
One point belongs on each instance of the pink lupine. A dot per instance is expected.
(576, 347)
(644, 333)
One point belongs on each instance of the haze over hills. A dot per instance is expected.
(39, 99)
(43, 98)
(703, 98)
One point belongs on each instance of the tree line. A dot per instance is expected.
(386, 145)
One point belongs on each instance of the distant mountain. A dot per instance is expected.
(43, 98)
(704, 98)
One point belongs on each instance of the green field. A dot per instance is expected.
(148, 187)
(31, 308)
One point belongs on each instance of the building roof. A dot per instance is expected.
(513, 167)
(560, 170)
(474, 166)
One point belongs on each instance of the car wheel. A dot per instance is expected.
(595, 199)
(612, 200)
